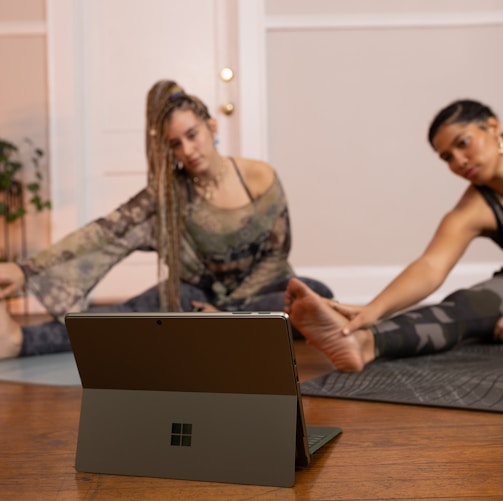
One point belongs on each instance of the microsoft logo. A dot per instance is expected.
(181, 434)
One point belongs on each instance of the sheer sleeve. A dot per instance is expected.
(62, 275)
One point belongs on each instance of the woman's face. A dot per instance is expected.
(192, 140)
(471, 150)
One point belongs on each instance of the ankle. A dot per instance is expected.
(367, 344)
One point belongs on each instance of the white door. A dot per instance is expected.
(104, 55)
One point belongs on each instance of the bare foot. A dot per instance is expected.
(319, 324)
(11, 336)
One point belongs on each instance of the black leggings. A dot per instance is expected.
(465, 314)
(51, 337)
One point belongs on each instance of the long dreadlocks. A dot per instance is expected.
(165, 97)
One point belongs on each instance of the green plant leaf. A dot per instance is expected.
(33, 187)
(11, 163)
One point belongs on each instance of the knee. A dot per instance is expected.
(479, 301)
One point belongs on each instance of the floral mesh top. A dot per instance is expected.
(230, 253)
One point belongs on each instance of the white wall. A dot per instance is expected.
(342, 94)
(351, 88)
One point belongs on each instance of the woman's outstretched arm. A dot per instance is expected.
(458, 228)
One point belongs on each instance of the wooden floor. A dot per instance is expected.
(386, 451)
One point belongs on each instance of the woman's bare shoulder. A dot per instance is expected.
(470, 199)
(258, 175)
(470, 218)
(472, 210)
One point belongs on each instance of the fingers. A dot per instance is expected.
(199, 306)
(348, 311)
(498, 331)
(356, 323)
(11, 279)
(8, 290)
(349, 328)
(359, 317)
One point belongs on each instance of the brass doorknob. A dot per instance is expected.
(226, 74)
(227, 108)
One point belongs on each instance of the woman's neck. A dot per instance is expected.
(209, 181)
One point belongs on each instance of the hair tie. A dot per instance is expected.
(176, 95)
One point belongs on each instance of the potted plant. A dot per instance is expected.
(12, 205)
(14, 161)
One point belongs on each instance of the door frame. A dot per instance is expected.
(66, 67)
(69, 133)
(253, 78)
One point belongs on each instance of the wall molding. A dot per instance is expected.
(32, 28)
(65, 68)
(359, 284)
(252, 79)
(254, 25)
(350, 284)
(386, 21)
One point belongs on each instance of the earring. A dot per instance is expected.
(216, 141)
(178, 165)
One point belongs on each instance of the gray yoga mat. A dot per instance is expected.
(467, 377)
(56, 369)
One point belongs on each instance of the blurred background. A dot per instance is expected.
(336, 95)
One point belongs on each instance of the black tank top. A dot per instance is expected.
(494, 203)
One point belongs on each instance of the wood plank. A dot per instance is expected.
(386, 451)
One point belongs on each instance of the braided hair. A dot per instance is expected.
(163, 99)
(460, 111)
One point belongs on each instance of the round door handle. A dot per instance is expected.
(226, 74)
(227, 108)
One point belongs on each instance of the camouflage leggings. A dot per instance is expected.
(51, 337)
(465, 314)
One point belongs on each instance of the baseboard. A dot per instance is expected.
(359, 284)
(350, 284)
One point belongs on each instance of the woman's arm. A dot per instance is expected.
(458, 228)
(62, 275)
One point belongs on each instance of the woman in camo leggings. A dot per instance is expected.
(467, 136)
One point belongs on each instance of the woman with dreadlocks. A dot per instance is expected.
(219, 224)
